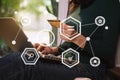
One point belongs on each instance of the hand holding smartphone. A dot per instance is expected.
(54, 23)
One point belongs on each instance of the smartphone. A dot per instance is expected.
(54, 23)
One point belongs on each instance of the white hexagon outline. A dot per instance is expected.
(78, 26)
(75, 56)
(68, 35)
(70, 49)
(74, 23)
(30, 62)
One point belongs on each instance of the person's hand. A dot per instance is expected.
(44, 49)
(67, 30)
(79, 40)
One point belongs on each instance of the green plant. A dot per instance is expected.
(7, 7)
(4, 49)
(33, 6)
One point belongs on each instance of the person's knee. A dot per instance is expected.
(82, 78)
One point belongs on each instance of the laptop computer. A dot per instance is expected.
(15, 38)
(13, 35)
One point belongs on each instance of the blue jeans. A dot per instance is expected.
(13, 68)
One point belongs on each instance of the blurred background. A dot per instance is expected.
(32, 16)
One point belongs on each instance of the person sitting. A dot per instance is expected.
(13, 68)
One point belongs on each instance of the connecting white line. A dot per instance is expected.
(91, 49)
(88, 24)
(94, 31)
(80, 45)
(17, 34)
(14, 41)
(62, 48)
(89, 40)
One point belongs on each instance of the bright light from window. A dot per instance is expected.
(38, 37)
(24, 3)
(57, 0)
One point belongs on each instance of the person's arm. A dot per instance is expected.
(45, 49)
(79, 40)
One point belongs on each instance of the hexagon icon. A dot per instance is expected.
(70, 58)
(30, 56)
(73, 24)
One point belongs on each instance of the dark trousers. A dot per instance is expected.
(13, 68)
